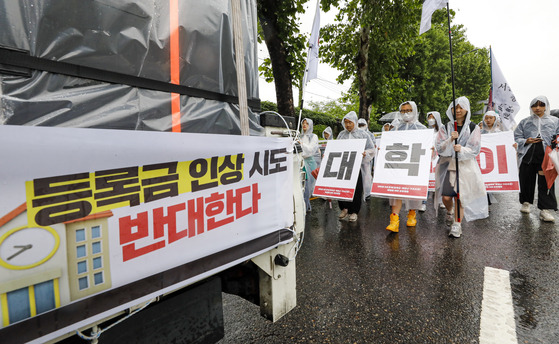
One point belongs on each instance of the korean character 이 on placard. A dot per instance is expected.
(116, 186)
(61, 198)
(162, 186)
(274, 162)
(398, 153)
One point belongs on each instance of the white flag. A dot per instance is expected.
(429, 7)
(312, 60)
(504, 101)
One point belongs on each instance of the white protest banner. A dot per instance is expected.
(106, 212)
(497, 162)
(339, 169)
(432, 174)
(402, 167)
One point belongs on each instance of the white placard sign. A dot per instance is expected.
(105, 210)
(402, 166)
(432, 174)
(497, 162)
(339, 169)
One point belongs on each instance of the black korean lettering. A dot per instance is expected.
(346, 165)
(328, 173)
(277, 157)
(198, 169)
(163, 186)
(256, 167)
(66, 202)
(233, 176)
(123, 185)
(396, 152)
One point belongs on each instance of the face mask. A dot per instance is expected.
(407, 117)
(431, 122)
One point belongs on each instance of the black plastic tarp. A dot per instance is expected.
(126, 38)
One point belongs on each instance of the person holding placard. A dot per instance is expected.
(468, 188)
(533, 134)
(327, 134)
(409, 121)
(491, 123)
(351, 131)
(311, 157)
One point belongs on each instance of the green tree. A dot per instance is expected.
(279, 29)
(369, 42)
(428, 69)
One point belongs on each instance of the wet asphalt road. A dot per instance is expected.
(357, 283)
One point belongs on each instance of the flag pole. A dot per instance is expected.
(457, 208)
(304, 86)
(491, 74)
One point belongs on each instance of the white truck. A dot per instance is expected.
(138, 179)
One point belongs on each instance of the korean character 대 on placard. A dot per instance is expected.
(397, 154)
(61, 198)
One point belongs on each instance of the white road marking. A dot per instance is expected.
(497, 313)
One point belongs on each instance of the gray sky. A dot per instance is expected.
(524, 36)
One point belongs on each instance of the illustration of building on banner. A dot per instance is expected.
(45, 267)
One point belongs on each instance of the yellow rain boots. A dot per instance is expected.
(411, 219)
(394, 223)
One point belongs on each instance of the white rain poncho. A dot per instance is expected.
(367, 165)
(408, 121)
(328, 131)
(496, 126)
(437, 117)
(311, 157)
(473, 196)
(532, 126)
(370, 148)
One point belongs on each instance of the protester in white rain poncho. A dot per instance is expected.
(367, 164)
(351, 131)
(327, 134)
(408, 121)
(434, 121)
(311, 156)
(491, 123)
(533, 134)
(473, 197)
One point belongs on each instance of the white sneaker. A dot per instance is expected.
(423, 207)
(352, 217)
(441, 205)
(455, 230)
(343, 214)
(525, 208)
(547, 216)
(449, 218)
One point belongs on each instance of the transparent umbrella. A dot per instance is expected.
(389, 117)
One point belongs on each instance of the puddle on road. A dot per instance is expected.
(525, 300)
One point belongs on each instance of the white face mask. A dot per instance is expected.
(407, 117)
(431, 122)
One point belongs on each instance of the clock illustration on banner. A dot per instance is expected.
(27, 247)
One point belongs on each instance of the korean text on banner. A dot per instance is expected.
(497, 162)
(402, 167)
(339, 169)
(114, 207)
